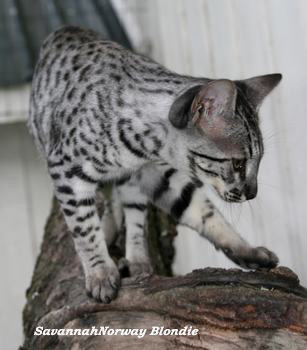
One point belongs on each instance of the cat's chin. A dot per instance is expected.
(233, 200)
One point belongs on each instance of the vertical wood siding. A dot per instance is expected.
(14, 103)
(25, 199)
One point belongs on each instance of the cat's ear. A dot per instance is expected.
(214, 102)
(257, 88)
(180, 112)
(204, 106)
(213, 110)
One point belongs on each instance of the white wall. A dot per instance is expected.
(239, 39)
(25, 200)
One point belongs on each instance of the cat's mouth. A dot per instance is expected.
(229, 196)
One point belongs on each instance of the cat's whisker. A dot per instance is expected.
(251, 210)
(236, 212)
(272, 139)
(269, 185)
(268, 136)
(258, 203)
(268, 144)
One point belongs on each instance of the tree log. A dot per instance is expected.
(231, 309)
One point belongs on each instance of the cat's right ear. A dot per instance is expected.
(204, 106)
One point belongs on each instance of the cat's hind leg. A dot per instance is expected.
(76, 193)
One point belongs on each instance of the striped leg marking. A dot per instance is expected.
(207, 220)
(135, 212)
(186, 201)
(77, 200)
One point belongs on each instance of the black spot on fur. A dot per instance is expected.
(181, 204)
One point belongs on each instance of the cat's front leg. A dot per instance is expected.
(178, 195)
(134, 204)
(77, 200)
(207, 220)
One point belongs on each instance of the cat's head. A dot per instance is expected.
(221, 127)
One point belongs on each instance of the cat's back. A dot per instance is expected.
(72, 65)
(68, 56)
(80, 75)
(72, 58)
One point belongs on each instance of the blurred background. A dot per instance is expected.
(233, 39)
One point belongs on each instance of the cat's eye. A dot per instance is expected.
(238, 164)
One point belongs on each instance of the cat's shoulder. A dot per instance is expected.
(70, 38)
(70, 35)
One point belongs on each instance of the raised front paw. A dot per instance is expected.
(103, 281)
(252, 258)
(136, 268)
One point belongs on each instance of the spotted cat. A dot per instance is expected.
(101, 113)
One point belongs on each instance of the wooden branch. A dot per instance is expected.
(231, 309)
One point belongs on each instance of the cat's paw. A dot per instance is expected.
(140, 269)
(102, 282)
(136, 268)
(253, 258)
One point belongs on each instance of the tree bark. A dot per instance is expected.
(231, 309)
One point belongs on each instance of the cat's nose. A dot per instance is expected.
(251, 190)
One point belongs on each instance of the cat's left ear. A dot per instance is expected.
(257, 88)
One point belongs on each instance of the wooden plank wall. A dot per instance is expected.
(14, 103)
(238, 39)
(25, 202)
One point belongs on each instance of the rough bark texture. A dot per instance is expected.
(231, 309)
